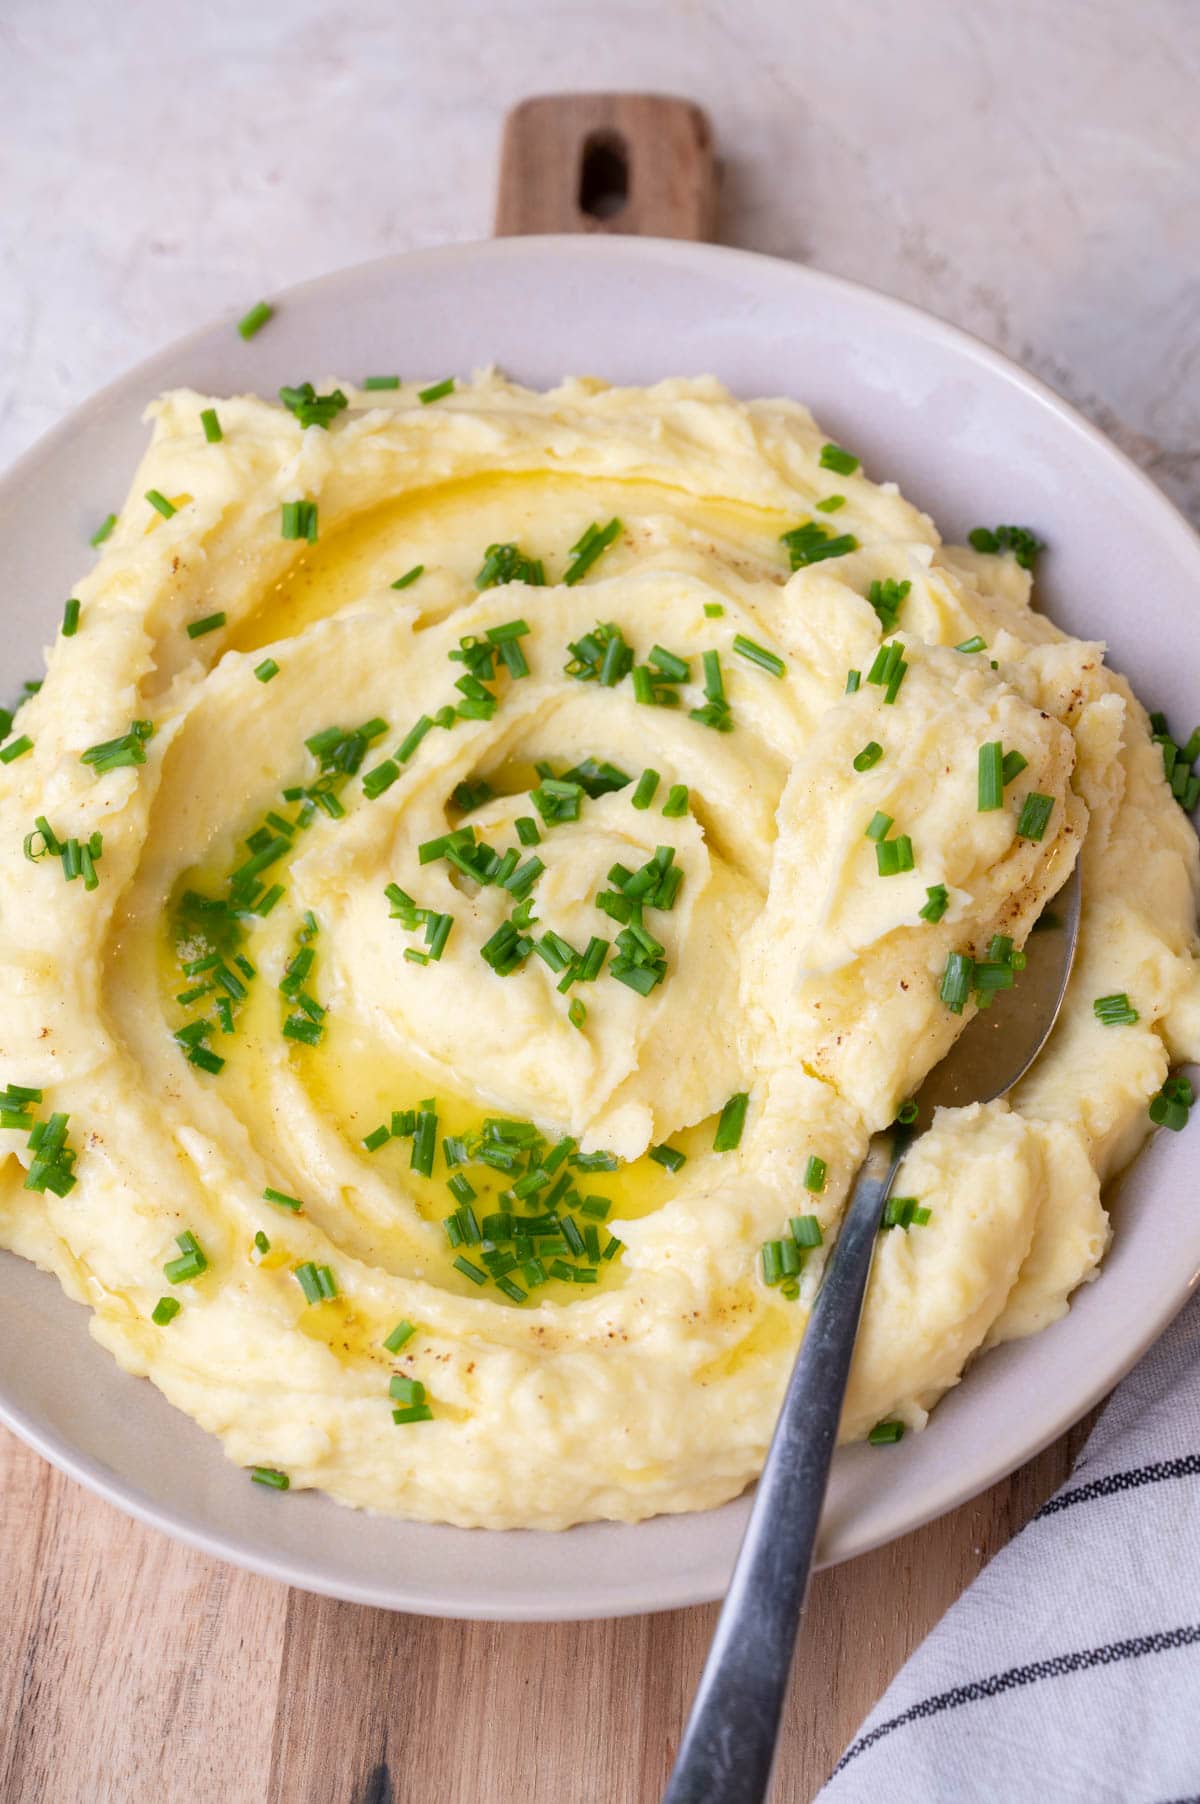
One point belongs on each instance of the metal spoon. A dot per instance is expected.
(728, 1747)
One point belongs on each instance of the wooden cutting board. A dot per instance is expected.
(132, 1668)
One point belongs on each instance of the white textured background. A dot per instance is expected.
(1028, 169)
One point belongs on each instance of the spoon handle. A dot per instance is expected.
(728, 1747)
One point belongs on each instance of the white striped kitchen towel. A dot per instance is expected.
(1070, 1669)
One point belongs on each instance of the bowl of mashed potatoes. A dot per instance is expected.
(487, 850)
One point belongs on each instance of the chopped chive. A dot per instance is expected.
(409, 577)
(668, 666)
(266, 670)
(70, 624)
(440, 925)
(1115, 1010)
(936, 904)
(523, 878)
(1034, 817)
(588, 548)
(896, 676)
(406, 1390)
(893, 856)
(402, 1332)
(731, 1123)
(991, 776)
(814, 1174)
(502, 564)
(527, 830)
(298, 520)
(1024, 544)
(210, 623)
(283, 1200)
(957, 980)
(256, 319)
(1014, 764)
(302, 1028)
(879, 825)
(886, 598)
(268, 1475)
(713, 610)
(834, 458)
(436, 391)
(886, 660)
(310, 408)
(643, 795)
(16, 748)
(806, 1231)
(831, 504)
(112, 754)
(758, 654)
(468, 1270)
(669, 1157)
(416, 1412)
(790, 1260)
(413, 738)
(191, 1262)
(261, 1243)
(853, 681)
(424, 1144)
(557, 800)
(372, 382)
(1170, 1108)
(577, 1013)
(812, 543)
(676, 804)
(886, 1434)
(103, 530)
(160, 504)
(211, 425)
(597, 778)
(376, 1138)
(974, 643)
(597, 1161)
(467, 796)
(165, 1310)
(308, 1278)
(870, 755)
(507, 631)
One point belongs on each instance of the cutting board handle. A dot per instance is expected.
(629, 163)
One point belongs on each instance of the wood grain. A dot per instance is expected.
(131, 1668)
(565, 157)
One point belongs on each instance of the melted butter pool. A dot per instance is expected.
(353, 1083)
(449, 527)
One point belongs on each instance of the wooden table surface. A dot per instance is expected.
(132, 1668)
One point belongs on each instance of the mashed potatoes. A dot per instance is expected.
(515, 876)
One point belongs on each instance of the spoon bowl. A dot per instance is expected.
(996, 1049)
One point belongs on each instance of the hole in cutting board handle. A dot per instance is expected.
(604, 175)
(607, 163)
